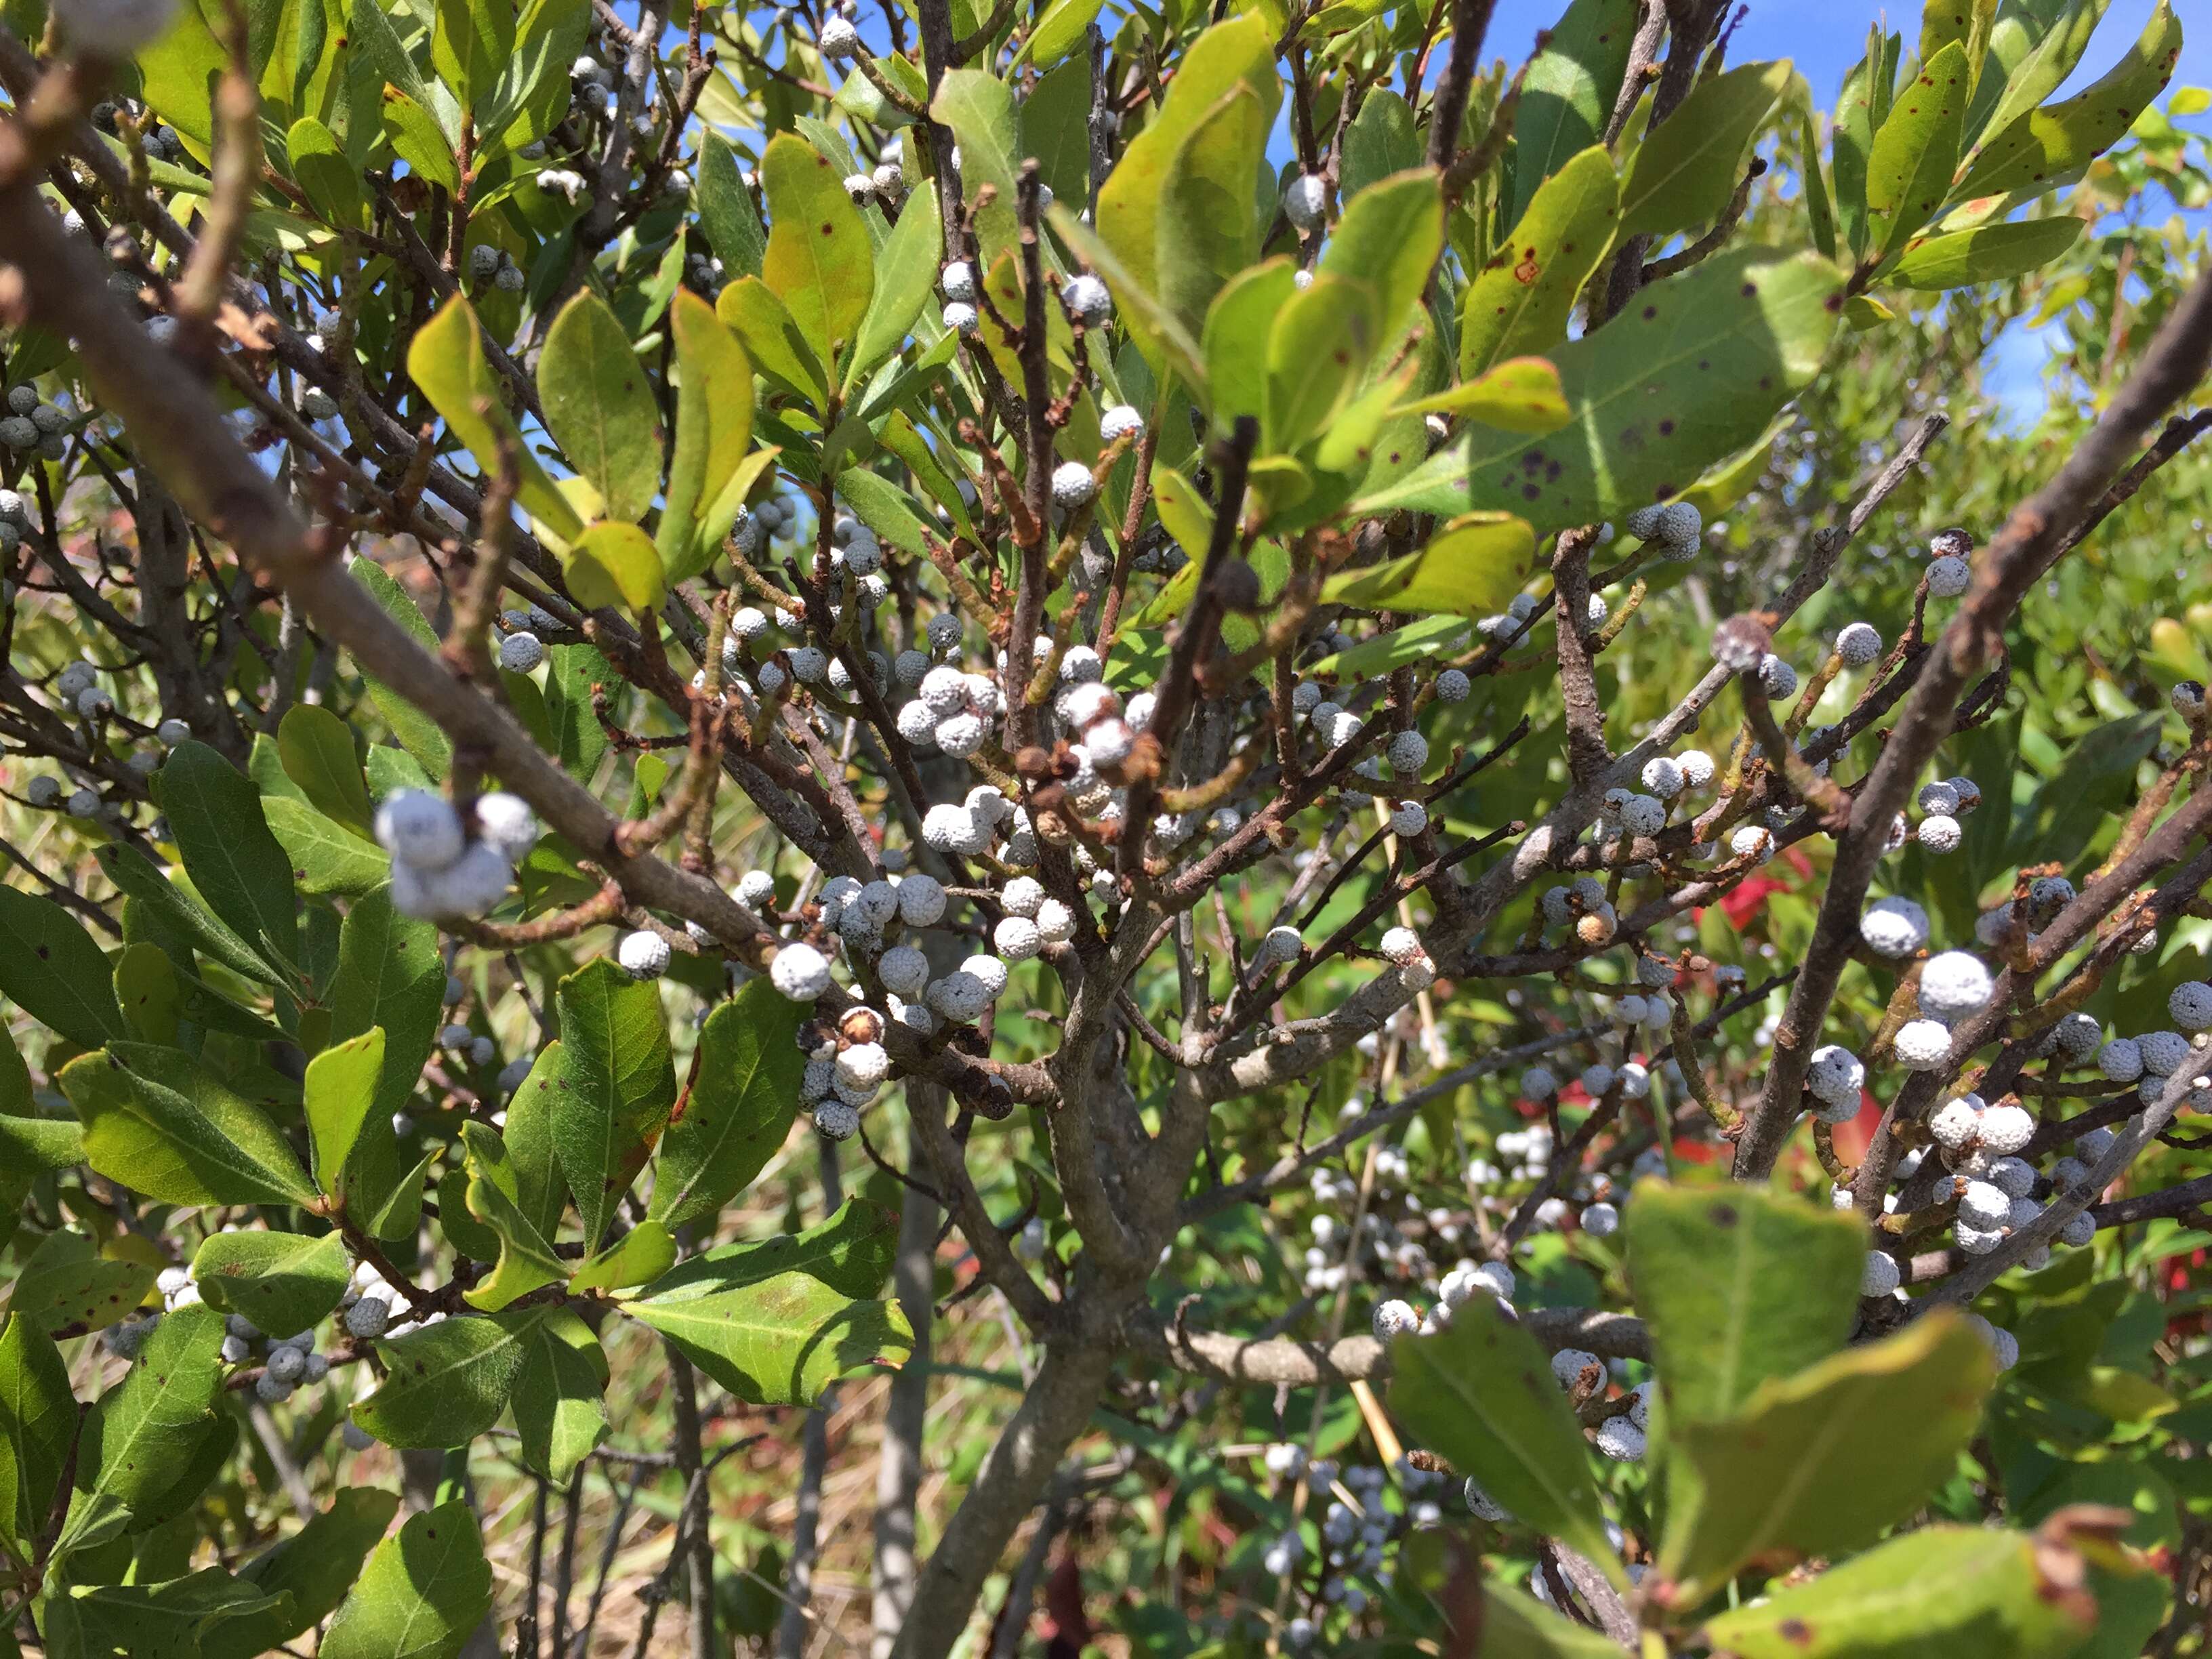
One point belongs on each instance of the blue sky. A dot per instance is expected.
(1825, 38)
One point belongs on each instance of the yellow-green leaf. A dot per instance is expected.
(2044, 145)
(1692, 370)
(819, 260)
(1058, 33)
(772, 338)
(1209, 230)
(1317, 353)
(1909, 173)
(616, 564)
(1788, 1476)
(526, 1261)
(1942, 1591)
(600, 407)
(1988, 253)
(1521, 394)
(446, 360)
(713, 429)
(640, 1257)
(343, 1084)
(1520, 300)
(1388, 240)
(1237, 52)
(1473, 566)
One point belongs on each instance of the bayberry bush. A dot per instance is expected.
(829, 829)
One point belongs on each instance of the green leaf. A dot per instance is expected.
(180, 71)
(1480, 1394)
(713, 430)
(315, 1567)
(1471, 566)
(2034, 51)
(469, 45)
(38, 1425)
(819, 261)
(30, 1146)
(1788, 1476)
(616, 565)
(1235, 337)
(772, 338)
(1933, 1594)
(1388, 240)
(779, 1340)
(526, 1261)
(317, 750)
(1686, 172)
(850, 1252)
(1380, 142)
(2046, 145)
(1739, 1285)
(372, 35)
(422, 143)
(174, 1620)
(616, 1086)
(1965, 22)
(886, 509)
(726, 213)
(1569, 91)
(531, 1111)
(599, 406)
(421, 1595)
(1056, 129)
(736, 1108)
(906, 276)
(638, 1257)
(1130, 209)
(446, 360)
(180, 914)
(1691, 371)
(156, 1120)
(1426, 640)
(1317, 351)
(979, 108)
(1853, 141)
(240, 868)
(1058, 33)
(1209, 231)
(51, 969)
(1518, 1626)
(579, 742)
(446, 1383)
(283, 1282)
(559, 1398)
(1987, 253)
(1908, 172)
(68, 1282)
(343, 1084)
(390, 975)
(321, 855)
(1154, 328)
(419, 734)
(146, 1427)
(1520, 394)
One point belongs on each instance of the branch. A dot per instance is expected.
(1284, 1361)
(2035, 534)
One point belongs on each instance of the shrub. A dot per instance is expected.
(1251, 675)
